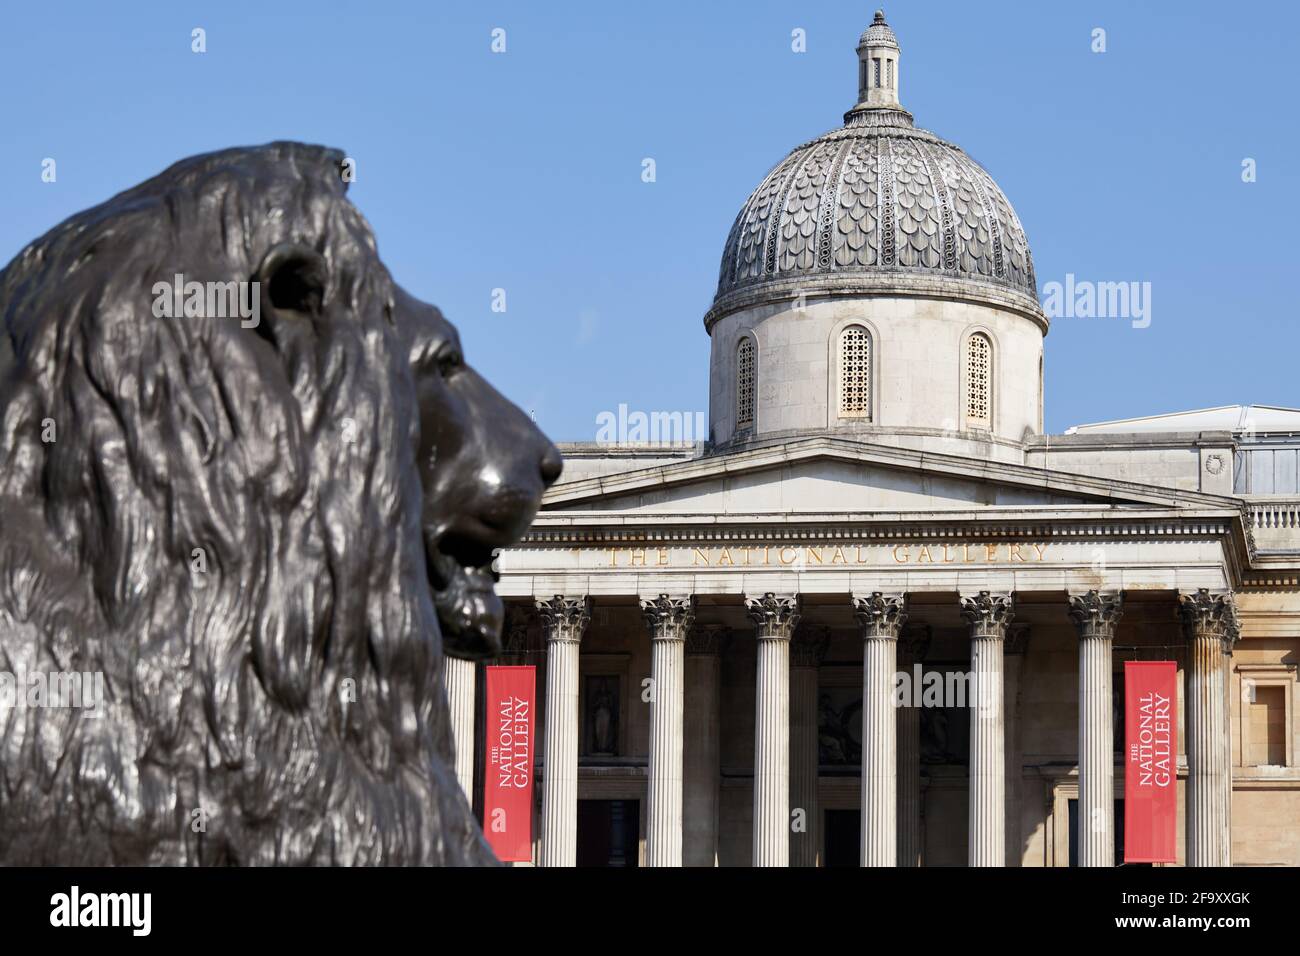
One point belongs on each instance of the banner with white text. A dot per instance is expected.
(508, 784)
(1151, 761)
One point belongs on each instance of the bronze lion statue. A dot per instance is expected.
(257, 532)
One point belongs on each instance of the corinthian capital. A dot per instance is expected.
(564, 617)
(1210, 614)
(1095, 613)
(774, 615)
(880, 615)
(988, 613)
(669, 617)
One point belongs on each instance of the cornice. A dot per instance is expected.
(877, 283)
(995, 524)
(752, 459)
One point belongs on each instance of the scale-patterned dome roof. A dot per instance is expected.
(881, 204)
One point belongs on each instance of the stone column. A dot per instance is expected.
(912, 648)
(668, 618)
(1211, 628)
(564, 620)
(807, 650)
(702, 750)
(458, 681)
(1095, 614)
(880, 619)
(988, 615)
(775, 617)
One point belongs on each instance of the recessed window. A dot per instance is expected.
(979, 381)
(855, 372)
(745, 384)
(1267, 732)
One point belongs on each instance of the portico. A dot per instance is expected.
(785, 605)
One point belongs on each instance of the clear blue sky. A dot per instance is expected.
(523, 171)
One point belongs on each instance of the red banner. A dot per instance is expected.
(1151, 761)
(508, 796)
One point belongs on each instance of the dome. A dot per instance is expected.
(877, 206)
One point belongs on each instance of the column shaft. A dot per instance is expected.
(669, 619)
(879, 843)
(775, 617)
(1095, 615)
(564, 621)
(880, 617)
(988, 615)
(664, 810)
(458, 682)
(1210, 625)
(772, 754)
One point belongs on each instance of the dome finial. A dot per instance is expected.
(878, 54)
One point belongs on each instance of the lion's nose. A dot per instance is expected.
(552, 464)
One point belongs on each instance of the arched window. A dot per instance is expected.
(855, 372)
(979, 381)
(745, 384)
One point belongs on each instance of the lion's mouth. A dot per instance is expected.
(469, 610)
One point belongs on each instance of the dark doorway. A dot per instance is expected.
(607, 832)
(1119, 835)
(841, 834)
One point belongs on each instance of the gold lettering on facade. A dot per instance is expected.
(813, 555)
(662, 558)
(837, 556)
(794, 555)
(902, 558)
(699, 556)
(638, 557)
(724, 559)
(990, 553)
(924, 556)
(1015, 554)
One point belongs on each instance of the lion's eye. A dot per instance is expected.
(449, 362)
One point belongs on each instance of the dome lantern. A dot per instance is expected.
(878, 54)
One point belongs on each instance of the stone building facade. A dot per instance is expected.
(719, 627)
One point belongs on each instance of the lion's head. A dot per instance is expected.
(251, 524)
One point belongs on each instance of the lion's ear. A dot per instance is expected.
(292, 279)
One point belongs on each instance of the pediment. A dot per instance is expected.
(832, 475)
